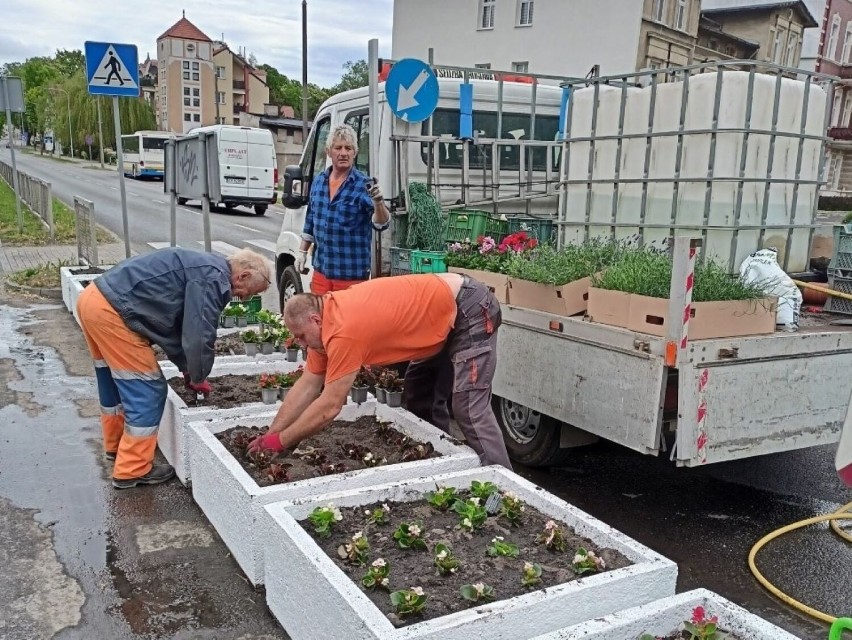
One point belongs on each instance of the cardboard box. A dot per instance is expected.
(564, 300)
(722, 319)
(609, 307)
(498, 283)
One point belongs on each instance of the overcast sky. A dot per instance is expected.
(338, 30)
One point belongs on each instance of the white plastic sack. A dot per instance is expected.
(761, 268)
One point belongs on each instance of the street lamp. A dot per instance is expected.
(70, 132)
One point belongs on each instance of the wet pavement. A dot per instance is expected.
(82, 560)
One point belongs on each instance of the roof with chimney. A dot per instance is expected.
(185, 30)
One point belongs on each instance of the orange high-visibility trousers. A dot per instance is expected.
(131, 386)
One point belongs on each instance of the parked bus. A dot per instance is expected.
(144, 153)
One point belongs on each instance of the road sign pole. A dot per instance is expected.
(7, 100)
(205, 191)
(171, 181)
(120, 153)
(100, 131)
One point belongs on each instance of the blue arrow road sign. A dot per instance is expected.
(412, 90)
(112, 69)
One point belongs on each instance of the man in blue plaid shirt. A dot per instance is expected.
(345, 206)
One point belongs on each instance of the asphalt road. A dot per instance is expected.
(147, 205)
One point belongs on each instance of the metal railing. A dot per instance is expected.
(35, 193)
(87, 231)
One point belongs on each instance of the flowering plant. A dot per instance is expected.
(236, 310)
(356, 549)
(323, 518)
(269, 381)
(442, 499)
(552, 537)
(292, 343)
(699, 627)
(482, 489)
(377, 574)
(409, 601)
(530, 574)
(500, 548)
(287, 380)
(512, 508)
(379, 515)
(481, 255)
(517, 243)
(472, 515)
(446, 562)
(587, 561)
(409, 535)
(479, 592)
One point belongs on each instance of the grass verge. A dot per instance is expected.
(43, 276)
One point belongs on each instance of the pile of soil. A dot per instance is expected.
(81, 271)
(228, 391)
(339, 447)
(229, 345)
(415, 568)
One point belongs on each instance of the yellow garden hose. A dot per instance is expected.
(843, 513)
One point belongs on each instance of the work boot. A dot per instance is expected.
(110, 455)
(158, 473)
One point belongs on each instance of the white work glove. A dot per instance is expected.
(300, 261)
(375, 192)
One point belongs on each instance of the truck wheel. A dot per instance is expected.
(260, 209)
(289, 285)
(182, 201)
(531, 438)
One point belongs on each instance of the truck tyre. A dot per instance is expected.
(531, 438)
(289, 285)
(260, 209)
(182, 201)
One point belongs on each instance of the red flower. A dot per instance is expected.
(532, 244)
(698, 615)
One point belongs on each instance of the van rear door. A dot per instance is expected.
(261, 164)
(233, 163)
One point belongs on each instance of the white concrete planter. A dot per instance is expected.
(664, 617)
(233, 502)
(337, 608)
(176, 415)
(67, 276)
(75, 288)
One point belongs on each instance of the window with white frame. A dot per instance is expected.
(836, 166)
(681, 14)
(220, 72)
(659, 10)
(778, 46)
(847, 111)
(847, 44)
(831, 46)
(220, 97)
(835, 111)
(486, 14)
(525, 13)
(521, 67)
(792, 49)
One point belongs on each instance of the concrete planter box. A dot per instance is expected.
(337, 608)
(75, 288)
(663, 617)
(68, 275)
(177, 414)
(233, 502)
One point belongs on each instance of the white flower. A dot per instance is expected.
(550, 524)
(453, 570)
(417, 590)
(414, 530)
(386, 507)
(475, 501)
(357, 536)
(600, 564)
(442, 554)
(368, 457)
(384, 582)
(510, 496)
(379, 562)
(367, 511)
(578, 559)
(528, 566)
(467, 523)
(480, 587)
(330, 508)
(497, 539)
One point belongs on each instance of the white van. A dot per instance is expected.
(352, 108)
(243, 166)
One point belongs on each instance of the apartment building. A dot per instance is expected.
(240, 87)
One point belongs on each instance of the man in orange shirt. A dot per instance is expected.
(421, 317)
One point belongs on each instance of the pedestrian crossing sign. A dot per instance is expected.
(112, 69)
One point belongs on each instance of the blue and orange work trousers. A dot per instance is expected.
(131, 386)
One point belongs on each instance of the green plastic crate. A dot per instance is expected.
(469, 224)
(428, 261)
(254, 305)
(541, 229)
(400, 261)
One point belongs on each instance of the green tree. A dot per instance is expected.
(69, 63)
(355, 74)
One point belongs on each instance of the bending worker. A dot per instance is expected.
(171, 298)
(344, 207)
(420, 317)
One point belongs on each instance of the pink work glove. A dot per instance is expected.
(269, 442)
(201, 387)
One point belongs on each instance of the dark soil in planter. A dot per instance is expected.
(85, 283)
(327, 452)
(229, 345)
(685, 635)
(414, 568)
(228, 391)
(81, 271)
